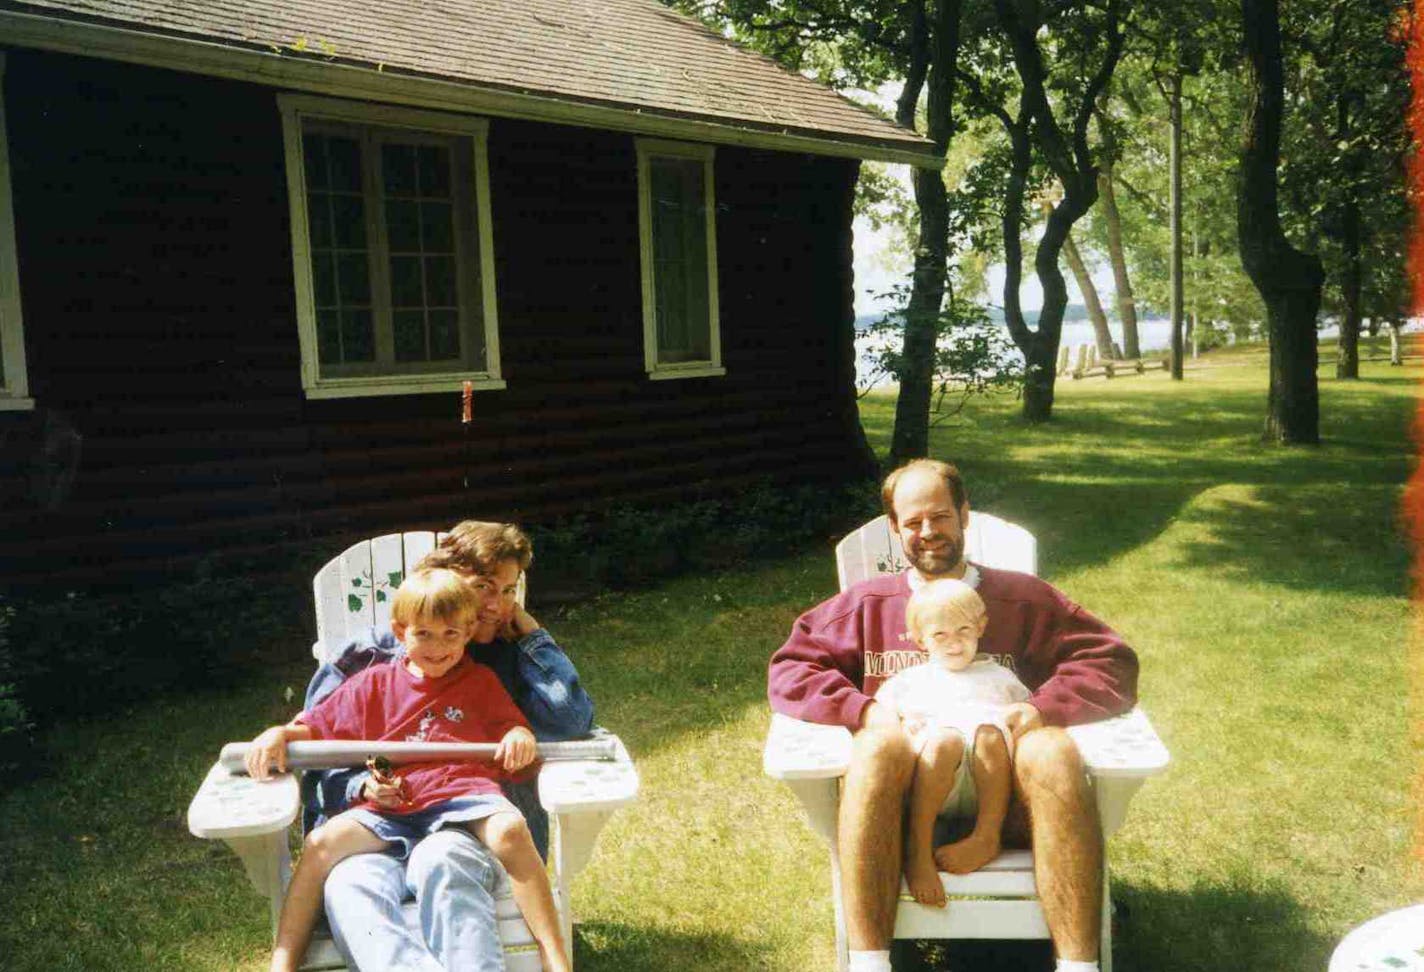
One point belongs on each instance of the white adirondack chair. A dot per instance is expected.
(352, 595)
(998, 901)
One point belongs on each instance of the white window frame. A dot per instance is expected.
(648, 149)
(14, 381)
(295, 109)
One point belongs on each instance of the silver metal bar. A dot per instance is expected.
(349, 753)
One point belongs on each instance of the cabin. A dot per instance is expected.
(252, 255)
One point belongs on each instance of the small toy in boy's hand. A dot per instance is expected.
(383, 772)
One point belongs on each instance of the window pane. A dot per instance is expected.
(406, 290)
(437, 229)
(328, 336)
(402, 225)
(319, 219)
(314, 159)
(440, 281)
(348, 217)
(357, 336)
(354, 277)
(444, 335)
(323, 280)
(345, 163)
(409, 333)
(398, 169)
(434, 171)
(680, 268)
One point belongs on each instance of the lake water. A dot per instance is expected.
(1153, 334)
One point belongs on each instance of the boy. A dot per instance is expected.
(952, 706)
(435, 693)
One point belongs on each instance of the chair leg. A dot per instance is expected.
(1105, 955)
(842, 946)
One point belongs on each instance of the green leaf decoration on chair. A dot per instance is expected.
(380, 597)
(353, 603)
(395, 577)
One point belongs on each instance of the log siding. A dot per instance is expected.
(156, 278)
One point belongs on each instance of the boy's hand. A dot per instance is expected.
(516, 750)
(520, 623)
(266, 752)
(385, 794)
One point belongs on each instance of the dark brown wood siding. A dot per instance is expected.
(156, 280)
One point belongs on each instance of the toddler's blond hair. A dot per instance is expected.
(954, 597)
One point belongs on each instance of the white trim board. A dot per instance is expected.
(280, 70)
(14, 376)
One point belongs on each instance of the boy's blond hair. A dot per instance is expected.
(433, 593)
(954, 596)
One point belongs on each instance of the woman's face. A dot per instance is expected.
(494, 593)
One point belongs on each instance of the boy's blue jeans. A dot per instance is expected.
(452, 877)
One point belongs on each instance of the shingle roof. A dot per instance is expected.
(633, 55)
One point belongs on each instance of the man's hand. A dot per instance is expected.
(516, 750)
(1022, 717)
(267, 752)
(520, 623)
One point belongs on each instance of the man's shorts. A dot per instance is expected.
(404, 830)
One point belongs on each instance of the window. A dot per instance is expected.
(391, 248)
(678, 239)
(14, 385)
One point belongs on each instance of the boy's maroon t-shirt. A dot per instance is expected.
(387, 702)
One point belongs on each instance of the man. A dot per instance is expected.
(1077, 669)
(451, 876)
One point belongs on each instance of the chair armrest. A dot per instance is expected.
(797, 750)
(228, 806)
(589, 785)
(1124, 747)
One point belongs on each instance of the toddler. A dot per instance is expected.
(433, 693)
(952, 705)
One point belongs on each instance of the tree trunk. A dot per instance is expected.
(1126, 304)
(1289, 281)
(1347, 364)
(938, 44)
(911, 438)
(1175, 112)
(1395, 355)
(1101, 335)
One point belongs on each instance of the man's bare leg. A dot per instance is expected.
(1050, 780)
(936, 769)
(869, 833)
(993, 781)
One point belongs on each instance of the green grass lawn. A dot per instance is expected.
(1265, 589)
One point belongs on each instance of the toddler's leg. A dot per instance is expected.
(935, 770)
(324, 848)
(507, 835)
(992, 778)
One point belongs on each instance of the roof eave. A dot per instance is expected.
(374, 83)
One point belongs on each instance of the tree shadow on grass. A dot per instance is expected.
(1217, 926)
(1227, 924)
(601, 946)
(1338, 537)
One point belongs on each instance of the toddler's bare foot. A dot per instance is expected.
(923, 879)
(969, 854)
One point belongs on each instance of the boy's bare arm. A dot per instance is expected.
(269, 750)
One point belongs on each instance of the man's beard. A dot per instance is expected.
(942, 560)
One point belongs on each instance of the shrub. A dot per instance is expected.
(15, 726)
